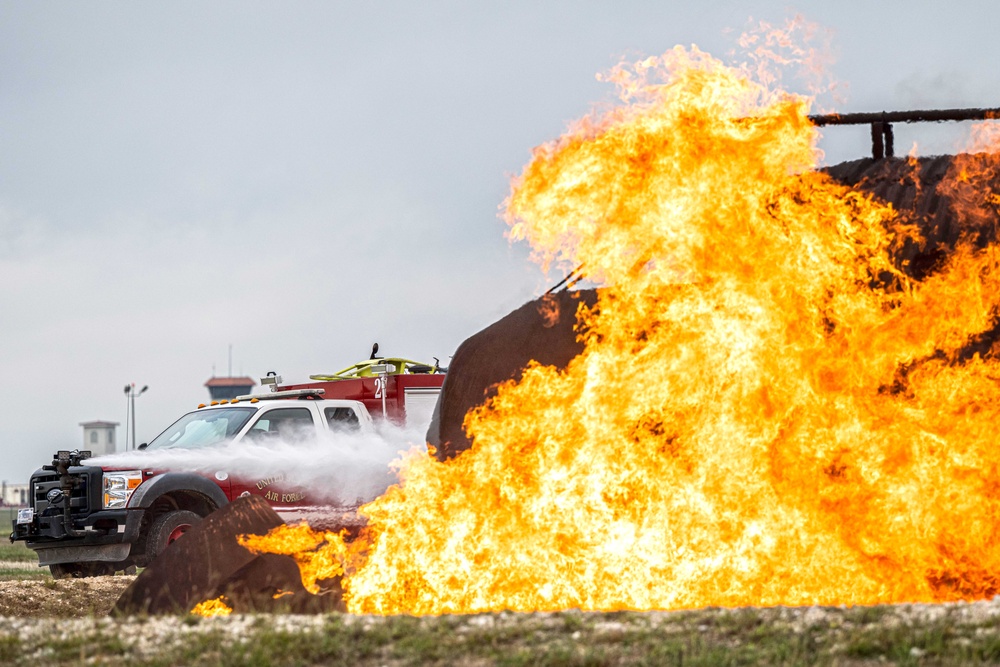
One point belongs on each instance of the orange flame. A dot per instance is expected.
(319, 554)
(216, 607)
(767, 410)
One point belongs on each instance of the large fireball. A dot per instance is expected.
(767, 410)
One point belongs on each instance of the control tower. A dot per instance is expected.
(227, 388)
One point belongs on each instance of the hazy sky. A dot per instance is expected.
(302, 179)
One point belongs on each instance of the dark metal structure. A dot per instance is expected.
(881, 123)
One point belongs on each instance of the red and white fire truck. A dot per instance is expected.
(86, 520)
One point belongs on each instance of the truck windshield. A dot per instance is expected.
(202, 429)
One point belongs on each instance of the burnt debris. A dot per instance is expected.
(208, 562)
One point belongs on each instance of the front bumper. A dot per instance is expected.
(100, 534)
(105, 527)
(103, 537)
(81, 553)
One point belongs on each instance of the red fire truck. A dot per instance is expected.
(87, 520)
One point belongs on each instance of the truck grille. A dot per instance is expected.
(87, 479)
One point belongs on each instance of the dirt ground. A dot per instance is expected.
(65, 598)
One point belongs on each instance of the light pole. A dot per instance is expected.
(130, 394)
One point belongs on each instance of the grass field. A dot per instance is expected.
(17, 562)
(941, 635)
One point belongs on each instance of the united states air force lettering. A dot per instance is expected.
(274, 496)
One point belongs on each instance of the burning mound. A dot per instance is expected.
(768, 409)
(210, 572)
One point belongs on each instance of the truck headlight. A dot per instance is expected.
(118, 487)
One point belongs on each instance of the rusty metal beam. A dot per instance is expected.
(923, 116)
(881, 122)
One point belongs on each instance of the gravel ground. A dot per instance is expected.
(65, 598)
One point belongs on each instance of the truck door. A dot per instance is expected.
(285, 426)
(332, 510)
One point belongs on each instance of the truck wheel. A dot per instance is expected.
(81, 570)
(168, 527)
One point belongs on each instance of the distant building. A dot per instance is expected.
(99, 437)
(224, 389)
(14, 494)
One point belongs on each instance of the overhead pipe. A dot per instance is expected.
(881, 123)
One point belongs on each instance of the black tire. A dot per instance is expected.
(166, 528)
(81, 570)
